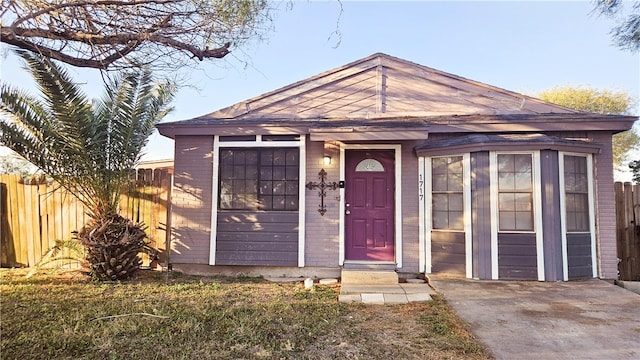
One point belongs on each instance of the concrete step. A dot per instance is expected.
(369, 277)
(369, 265)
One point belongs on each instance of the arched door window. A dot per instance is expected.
(370, 165)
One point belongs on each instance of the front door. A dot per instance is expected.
(369, 205)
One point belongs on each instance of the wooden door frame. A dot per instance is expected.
(397, 148)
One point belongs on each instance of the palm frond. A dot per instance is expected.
(89, 148)
(74, 249)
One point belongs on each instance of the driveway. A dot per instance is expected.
(589, 319)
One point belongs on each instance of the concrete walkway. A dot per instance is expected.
(590, 319)
(401, 293)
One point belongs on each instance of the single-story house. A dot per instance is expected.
(387, 163)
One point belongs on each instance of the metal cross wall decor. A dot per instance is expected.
(323, 186)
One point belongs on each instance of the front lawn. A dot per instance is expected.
(63, 315)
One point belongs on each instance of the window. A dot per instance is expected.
(370, 165)
(576, 191)
(447, 193)
(259, 179)
(515, 192)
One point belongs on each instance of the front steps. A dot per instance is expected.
(369, 273)
(377, 283)
(369, 277)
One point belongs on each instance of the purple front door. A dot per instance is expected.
(369, 205)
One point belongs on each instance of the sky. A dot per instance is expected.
(523, 46)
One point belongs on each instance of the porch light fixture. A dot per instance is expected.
(326, 160)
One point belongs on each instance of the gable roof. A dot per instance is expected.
(382, 87)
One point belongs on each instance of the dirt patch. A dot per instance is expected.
(565, 311)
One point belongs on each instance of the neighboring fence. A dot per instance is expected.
(33, 217)
(628, 230)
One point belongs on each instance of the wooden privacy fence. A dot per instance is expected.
(628, 230)
(34, 216)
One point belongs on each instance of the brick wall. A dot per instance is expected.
(191, 199)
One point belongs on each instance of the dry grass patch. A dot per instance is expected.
(63, 315)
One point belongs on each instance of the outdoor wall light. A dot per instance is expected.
(326, 160)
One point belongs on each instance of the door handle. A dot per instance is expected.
(347, 212)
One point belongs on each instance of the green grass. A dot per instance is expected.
(56, 315)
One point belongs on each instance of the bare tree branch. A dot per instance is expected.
(117, 34)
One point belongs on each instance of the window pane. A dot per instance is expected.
(266, 173)
(251, 157)
(522, 202)
(266, 157)
(507, 220)
(576, 193)
(439, 182)
(522, 163)
(506, 181)
(456, 220)
(439, 165)
(266, 187)
(292, 202)
(522, 180)
(292, 172)
(515, 192)
(440, 219)
(454, 182)
(524, 221)
(447, 182)
(279, 173)
(440, 202)
(506, 163)
(506, 202)
(455, 202)
(279, 157)
(455, 164)
(278, 187)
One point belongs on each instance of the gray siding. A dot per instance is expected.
(481, 215)
(517, 256)
(322, 232)
(191, 200)
(448, 253)
(579, 256)
(257, 238)
(551, 228)
(409, 209)
(605, 207)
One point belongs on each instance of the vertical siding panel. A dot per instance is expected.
(481, 214)
(605, 206)
(192, 199)
(410, 199)
(551, 229)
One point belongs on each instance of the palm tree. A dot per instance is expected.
(89, 148)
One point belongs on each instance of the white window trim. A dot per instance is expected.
(563, 213)
(217, 144)
(424, 254)
(427, 213)
(537, 211)
(398, 197)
